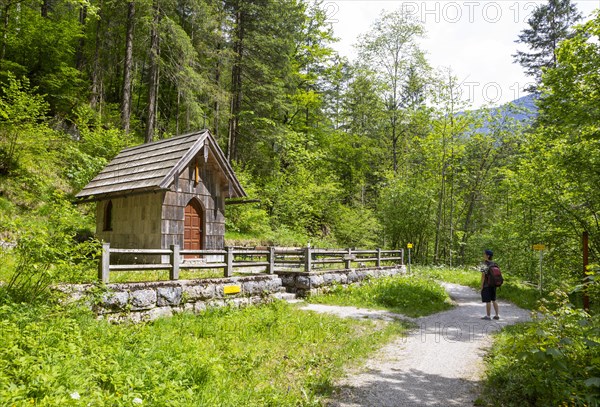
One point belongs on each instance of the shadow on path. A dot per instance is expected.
(406, 388)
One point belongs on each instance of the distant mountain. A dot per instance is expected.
(522, 109)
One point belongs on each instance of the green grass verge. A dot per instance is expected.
(272, 355)
(513, 289)
(409, 295)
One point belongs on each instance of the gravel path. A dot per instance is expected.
(438, 364)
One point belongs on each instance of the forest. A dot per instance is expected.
(379, 151)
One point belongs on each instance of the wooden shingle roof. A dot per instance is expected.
(153, 166)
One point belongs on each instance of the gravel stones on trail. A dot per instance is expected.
(439, 363)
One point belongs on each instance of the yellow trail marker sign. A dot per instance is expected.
(232, 289)
(539, 247)
(410, 245)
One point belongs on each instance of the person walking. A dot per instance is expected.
(488, 291)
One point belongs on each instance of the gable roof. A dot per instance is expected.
(153, 167)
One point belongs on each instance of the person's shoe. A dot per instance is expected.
(496, 317)
(486, 318)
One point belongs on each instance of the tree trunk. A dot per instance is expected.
(95, 93)
(6, 18)
(473, 195)
(394, 146)
(46, 7)
(440, 215)
(128, 69)
(79, 56)
(153, 74)
(236, 85)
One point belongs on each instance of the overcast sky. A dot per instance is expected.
(474, 38)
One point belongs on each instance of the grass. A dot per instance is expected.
(514, 289)
(8, 263)
(271, 355)
(409, 295)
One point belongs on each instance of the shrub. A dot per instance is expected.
(553, 361)
(47, 251)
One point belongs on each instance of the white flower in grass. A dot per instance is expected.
(75, 395)
(137, 400)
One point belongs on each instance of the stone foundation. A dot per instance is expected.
(150, 300)
(303, 284)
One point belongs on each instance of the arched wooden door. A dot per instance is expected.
(192, 231)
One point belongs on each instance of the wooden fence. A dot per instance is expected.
(302, 259)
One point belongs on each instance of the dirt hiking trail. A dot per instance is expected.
(439, 363)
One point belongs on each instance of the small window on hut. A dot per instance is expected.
(108, 209)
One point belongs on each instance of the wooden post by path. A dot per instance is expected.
(104, 266)
(229, 262)
(308, 259)
(174, 272)
(271, 260)
(348, 259)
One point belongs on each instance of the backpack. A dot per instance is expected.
(495, 278)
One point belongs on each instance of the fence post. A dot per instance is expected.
(348, 259)
(271, 260)
(229, 261)
(104, 266)
(378, 257)
(308, 259)
(174, 275)
(402, 256)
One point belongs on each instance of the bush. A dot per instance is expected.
(553, 361)
(47, 251)
(356, 227)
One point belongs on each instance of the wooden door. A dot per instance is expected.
(192, 232)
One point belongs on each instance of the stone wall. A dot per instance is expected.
(315, 282)
(150, 300)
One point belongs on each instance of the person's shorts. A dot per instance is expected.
(488, 294)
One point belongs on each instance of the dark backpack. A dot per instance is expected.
(495, 278)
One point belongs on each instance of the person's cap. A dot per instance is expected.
(489, 252)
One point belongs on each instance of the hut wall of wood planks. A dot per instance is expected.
(163, 193)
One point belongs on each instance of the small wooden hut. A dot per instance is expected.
(167, 192)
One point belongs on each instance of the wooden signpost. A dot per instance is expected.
(409, 247)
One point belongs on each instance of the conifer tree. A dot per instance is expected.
(549, 24)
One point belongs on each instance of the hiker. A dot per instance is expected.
(488, 291)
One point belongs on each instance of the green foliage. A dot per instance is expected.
(356, 227)
(409, 295)
(269, 355)
(552, 361)
(405, 212)
(47, 252)
(20, 109)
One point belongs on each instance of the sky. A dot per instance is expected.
(475, 38)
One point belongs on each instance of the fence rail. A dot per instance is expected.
(303, 259)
